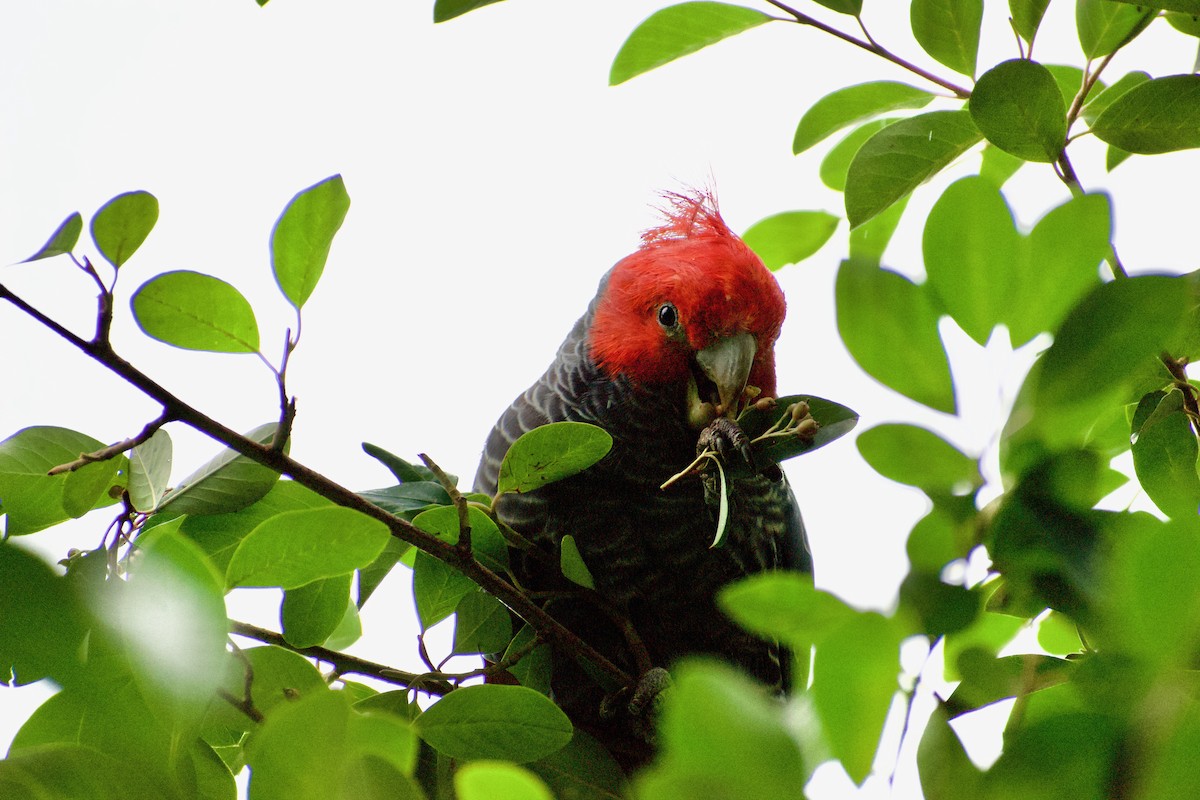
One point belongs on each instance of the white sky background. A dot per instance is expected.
(494, 178)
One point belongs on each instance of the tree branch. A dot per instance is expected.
(552, 631)
(112, 450)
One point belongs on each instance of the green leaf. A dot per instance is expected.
(790, 237)
(1165, 452)
(869, 241)
(372, 575)
(1070, 80)
(784, 606)
(1019, 108)
(63, 240)
(572, 564)
(1104, 25)
(852, 105)
(918, 457)
(64, 771)
(195, 312)
(835, 421)
(482, 624)
(550, 453)
(836, 163)
(403, 471)
(91, 486)
(1186, 23)
(298, 547)
(942, 764)
(1101, 101)
(280, 677)
(1027, 16)
(487, 543)
(42, 625)
(122, 224)
(437, 589)
(304, 234)
(150, 472)
(1156, 116)
(32, 499)
(900, 157)
(722, 736)
(228, 482)
(851, 7)
(496, 780)
(348, 631)
(971, 248)
(890, 327)
(1100, 346)
(311, 613)
(939, 608)
(582, 769)
(533, 670)
(494, 721)
(854, 679)
(1059, 264)
(948, 30)
(677, 31)
(1059, 635)
(998, 166)
(300, 751)
(449, 9)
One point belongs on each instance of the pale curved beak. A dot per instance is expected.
(727, 364)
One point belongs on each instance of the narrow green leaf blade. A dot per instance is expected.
(150, 472)
(303, 236)
(900, 157)
(918, 457)
(196, 312)
(512, 723)
(890, 327)
(298, 547)
(972, 248)
(948, 30)
(228, 482)
(550, 453)
(790, 237)
(63, 240)
(572, 564)
(449, 9)
(1157, 116)
(854, 104)
(677, 31)
(851, 7)
(1019, 108)
(122, 224)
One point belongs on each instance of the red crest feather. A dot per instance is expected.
(687, 215)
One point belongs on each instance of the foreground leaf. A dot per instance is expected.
(32, 499)
(42, 625)
(122, 224)
(550, 453)
(903, 155)
(62, 241)
(1104, 26)
(196, 312)
(1018, 107)
(1156, 116)
(854, 104)
(948, 30)
(790, 237)
(1027, 16)
(304, 234)
(677, 31)
(150, 471)
(918, 457)
(496, 780)
(1165, 453)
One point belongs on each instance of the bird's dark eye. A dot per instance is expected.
(668, 316)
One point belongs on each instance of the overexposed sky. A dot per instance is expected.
(494, 177)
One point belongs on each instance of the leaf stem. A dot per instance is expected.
(113, 450)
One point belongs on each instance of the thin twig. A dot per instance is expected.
(459, 502)
(113, 450)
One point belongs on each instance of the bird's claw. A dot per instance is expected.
(640, 704)
(724, 437)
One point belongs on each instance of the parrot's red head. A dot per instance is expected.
(693, 305)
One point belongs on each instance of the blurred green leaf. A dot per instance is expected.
(42, 624)
(972, 248)
(901, 157)
(854, 679)
(1155, 116)
(678, 30)
(311, 613)
(890, 327)
(303, 236)
(497, 780)
(482, 624)
(195, 312)
(1027, 16)
(32, 499)
(918, 457)
(1065, 755)
(449, 9)
(1018, 107)
(550, 453)
(784, 606)
(122, 224)
(940, 607)
(300, 751)
(852, 105)
(150, 471)
(64, 772)
(494, 721)
(584, 770)
(790, 237)
(869, 241)
(294, 548)
(1058, 266)
(1059, 635)
(945, 770)
(998, 166)
(1104, 25)
(722, 736)
(1165, 452)
(948, 30)
(63, 240)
